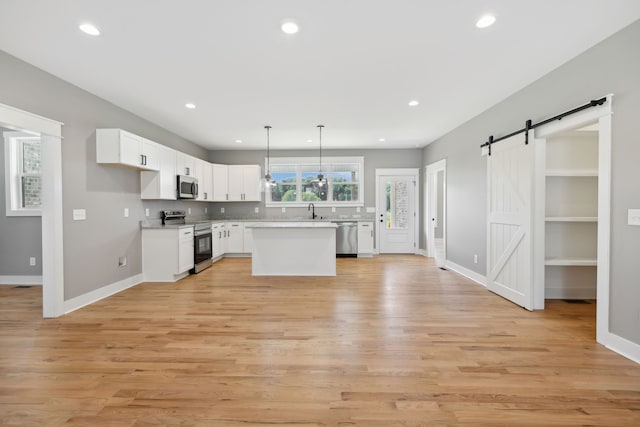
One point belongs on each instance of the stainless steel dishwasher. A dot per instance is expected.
(346, 239)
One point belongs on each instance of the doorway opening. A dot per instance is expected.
(436, 211)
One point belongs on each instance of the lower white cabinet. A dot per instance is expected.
(365, 239)
(167, 253)
(235, 237)
(218, 238)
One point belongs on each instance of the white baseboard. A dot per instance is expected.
(101, 293)
(622, 346)
(21, 280)
(569, 293)
(478, 278)
(422, 252)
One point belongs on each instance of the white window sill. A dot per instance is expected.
(316, 204)
(24, 212)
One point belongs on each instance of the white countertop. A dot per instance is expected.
(302, 224)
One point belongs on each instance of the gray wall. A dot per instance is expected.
(20, 236)
(373, 159)
(613, 66)
(91, 247)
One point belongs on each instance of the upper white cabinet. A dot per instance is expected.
(161, 184)
(116, 146)
(244, 183)
(204, 173)
(220, 180)
(186, 164)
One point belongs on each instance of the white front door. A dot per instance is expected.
(509, 204)
(396, 211)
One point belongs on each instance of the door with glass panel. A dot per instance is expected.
(396, 211)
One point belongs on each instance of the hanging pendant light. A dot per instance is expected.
(268, 180)
(320, 180)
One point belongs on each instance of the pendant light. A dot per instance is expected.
(320, 178)
(268, 181)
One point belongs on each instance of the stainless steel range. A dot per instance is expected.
(202, 239)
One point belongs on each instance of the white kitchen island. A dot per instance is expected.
(294, 249)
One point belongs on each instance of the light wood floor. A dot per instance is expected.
(391, 341)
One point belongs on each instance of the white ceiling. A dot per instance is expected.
(354, 65)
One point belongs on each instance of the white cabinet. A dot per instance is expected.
(167, 253)
(160, 185)
(235, 237)
(244, 183)
(571, 209)
(185, 164)
(116, 146)
(218, 238)
(220, 181)
(204, 171)
(247, 245)
(185, 251)
(365, 239)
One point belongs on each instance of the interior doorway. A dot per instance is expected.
(436, 211)
(50, 132)
(397, 210)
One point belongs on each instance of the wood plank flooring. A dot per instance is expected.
(390, 341)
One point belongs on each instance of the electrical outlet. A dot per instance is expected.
(221, 210)
(333, 209)
(79, 214)
(257, 209)
(284, 210)
(358, 209)
(189, 211)
(633, 217)
(32, 261)
(146, 212)
(122, 261)
(206, 210)
(126, 212)
(475, 259)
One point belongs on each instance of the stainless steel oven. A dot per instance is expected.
(202, 249)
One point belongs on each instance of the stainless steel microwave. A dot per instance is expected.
(187, 187)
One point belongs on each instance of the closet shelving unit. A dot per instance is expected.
(571, 222)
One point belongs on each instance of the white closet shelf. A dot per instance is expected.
(571, 172)
(572, 262)
(571, 219)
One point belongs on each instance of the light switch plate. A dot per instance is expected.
(257, 209)
(146, 212)
(358, 209)
(284, 210)
(126, 212)
(633, 217)
(333, 209)
(79, 214)
(221, 210)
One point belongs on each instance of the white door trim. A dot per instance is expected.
(415, 172)
(430, 201)
(52, 248)
(601, 114)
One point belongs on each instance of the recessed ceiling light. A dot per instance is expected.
(190, 105)
(413, 103)
(89, 29)
(381, 140)
(238, 141)
(309, 140)
(485, 21)
(290, 27)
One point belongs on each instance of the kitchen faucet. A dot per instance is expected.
(312, 208)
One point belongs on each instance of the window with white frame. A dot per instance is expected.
(297, 181)
(23, 180)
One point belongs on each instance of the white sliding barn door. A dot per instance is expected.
(509, 240)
